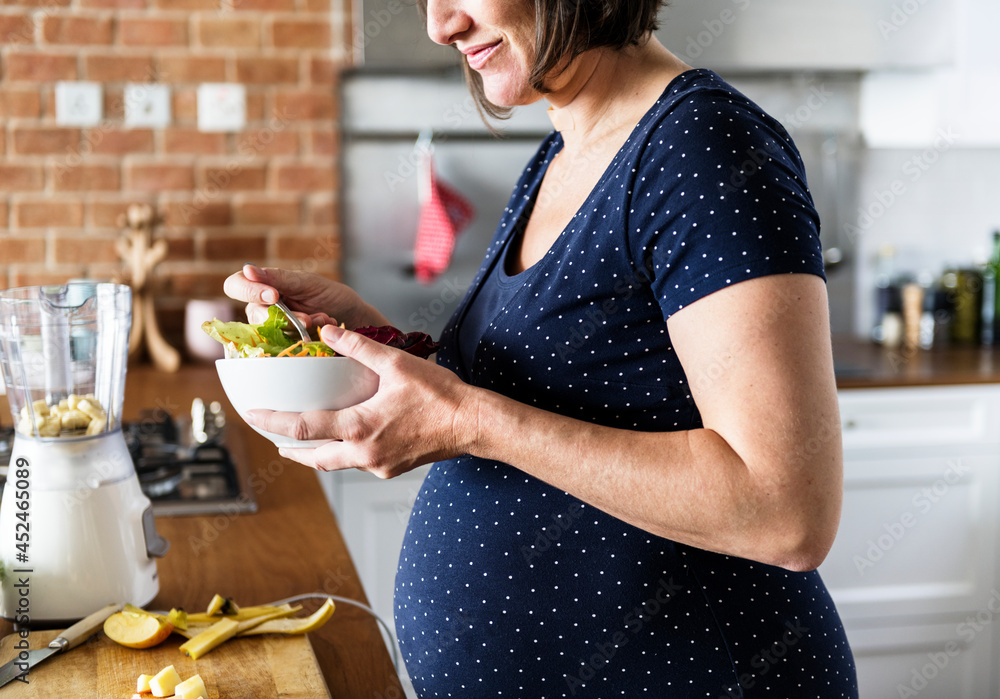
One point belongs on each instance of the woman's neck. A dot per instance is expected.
(605, 91)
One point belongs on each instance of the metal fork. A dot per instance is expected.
(294, 320)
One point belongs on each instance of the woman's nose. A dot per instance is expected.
(446, 20)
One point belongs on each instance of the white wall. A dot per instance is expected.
(931, 170)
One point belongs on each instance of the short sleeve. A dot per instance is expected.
(719, 197)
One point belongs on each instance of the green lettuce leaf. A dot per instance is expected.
(266, 339)
(270, 338)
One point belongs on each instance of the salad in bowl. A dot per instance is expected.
(272, 339)
(264, 368)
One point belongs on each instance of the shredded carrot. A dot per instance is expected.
(288, 351)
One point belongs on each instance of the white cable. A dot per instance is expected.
(359, 605)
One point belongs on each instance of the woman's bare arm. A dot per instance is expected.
(761, 480)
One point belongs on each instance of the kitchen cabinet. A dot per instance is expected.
(914, 568)
(373, 514)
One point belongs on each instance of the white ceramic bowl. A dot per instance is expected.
(295, 384)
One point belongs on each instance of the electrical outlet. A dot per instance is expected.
(147, 105)
(79, 103)
(222, 107)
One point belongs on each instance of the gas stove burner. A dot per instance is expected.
(179, 475)
(184, 468)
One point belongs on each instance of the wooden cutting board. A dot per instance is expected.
(241, 668)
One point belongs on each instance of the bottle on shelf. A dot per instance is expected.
(942, 310)
(928, 323)
(990, 321)
(965, 297)
(913, 311)
(888, 327)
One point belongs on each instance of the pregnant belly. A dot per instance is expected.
(503, 579)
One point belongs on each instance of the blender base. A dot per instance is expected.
(87, 543)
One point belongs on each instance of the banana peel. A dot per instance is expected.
(206, 631)
(198, 623)
(212, 637)
(241, 615)
(178, 617)
(294, 626)
(222, 605)
(221, 631)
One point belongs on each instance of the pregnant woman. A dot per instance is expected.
(633, 415)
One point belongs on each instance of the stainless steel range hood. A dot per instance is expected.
(811, 35)
(726, 35)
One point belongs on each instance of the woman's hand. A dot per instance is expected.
(318, 300)
(420, 413)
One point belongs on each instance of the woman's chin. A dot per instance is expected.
(503, 96)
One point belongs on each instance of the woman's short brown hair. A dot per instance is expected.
(564, 29)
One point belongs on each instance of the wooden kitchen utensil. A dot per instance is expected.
(242, 668)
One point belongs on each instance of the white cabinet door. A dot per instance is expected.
(924, 661)
(372, 514)
(917, 536)
(914, 568)
(883, 421)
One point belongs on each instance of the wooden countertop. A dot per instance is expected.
(863, 364)
(291, 545)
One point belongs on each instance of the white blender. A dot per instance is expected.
(76, 531)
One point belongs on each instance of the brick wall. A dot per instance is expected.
(265, 194)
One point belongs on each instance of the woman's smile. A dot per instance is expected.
(496, 38)
(477, 56)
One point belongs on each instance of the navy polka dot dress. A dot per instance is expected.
(508, 587)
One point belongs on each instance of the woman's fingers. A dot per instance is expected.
(308, 426)
(256, 313)
(331, 455)
(320, 319)
(252, 288)
(311, 457)
(373, 355)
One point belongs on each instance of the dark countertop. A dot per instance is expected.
(863, 364)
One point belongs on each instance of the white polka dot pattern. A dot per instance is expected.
(510, 588)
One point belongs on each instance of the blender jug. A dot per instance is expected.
(76, 531)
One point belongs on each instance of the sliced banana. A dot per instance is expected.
(68, 417)
(92, 408)
(74, 420)
(50, 426)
